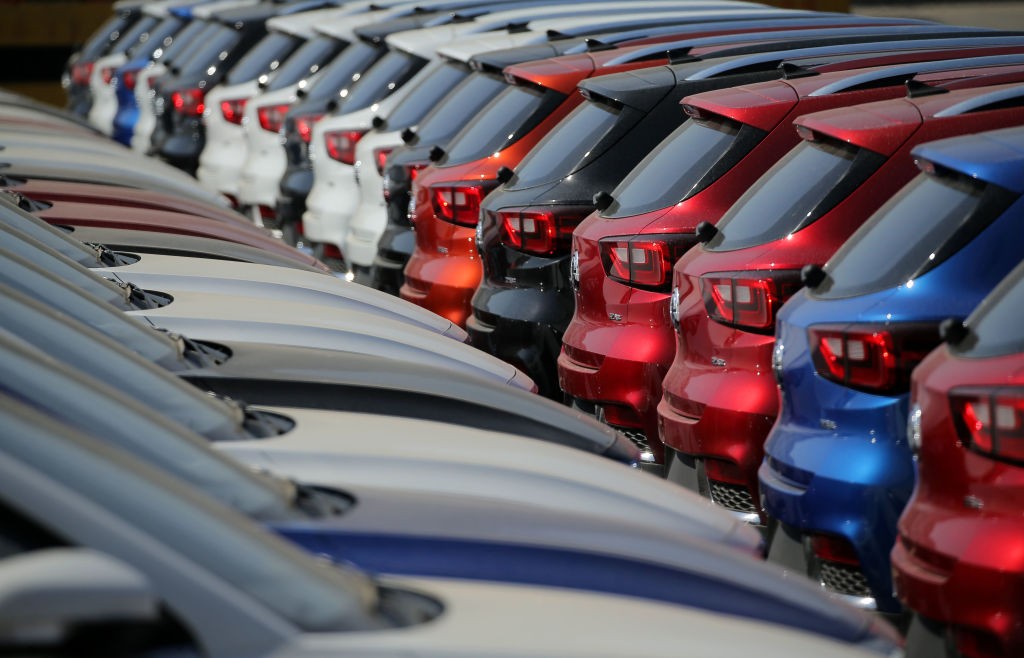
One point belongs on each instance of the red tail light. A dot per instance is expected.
(748, 300)
(458, 203)
(341, 145)
(380, 157)
(128, 79)
(644, 261)
(81, 72)
(541, 231)
(874, 358)
(834, 549)
(271, 117)
(233, 110)
(107, 74)
(991, 421)
(304, 125)
(189, 102)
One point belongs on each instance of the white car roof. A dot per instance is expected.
(205, 11)
(303, 24)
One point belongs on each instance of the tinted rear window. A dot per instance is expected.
(265, 57)
(801, 187)
(134, 34)
(159, 37)
(181, 41)
(512, 114)
(208, 50)
(391, 72)
(564, 149)
(690, 159)
(995, 325)
(306, 61)
(342, 71)
(456, 109)
(106, 34)
(919, 228)
(426, 95)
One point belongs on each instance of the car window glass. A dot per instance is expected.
(181, 41)
(312, 594)
(512, 114)
(801, 187)
(918, 229)
(305, 61)
(562, 150)
(104, 36)
(426, 94)
(208, 50)
(134, 33)
(458, 107)
(388, 74)
(158, 37)
(342, 70)
(264, 57)
(691, 158)
(995, 324)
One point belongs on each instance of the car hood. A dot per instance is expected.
(344, 449)
(262, 283)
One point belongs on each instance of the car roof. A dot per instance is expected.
(995, 156)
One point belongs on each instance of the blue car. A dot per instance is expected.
(837, 470)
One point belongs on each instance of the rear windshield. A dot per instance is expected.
(134, 34)
(264, 57)
(927, 222)
(512, 114)
(343, 70)
(209, 49)
(306, 61)
(801, 187)
(995, 325)
(458, 107)
(105, 35)
(181, 41)
(691, 158)
(159, 37)
(564, 150)
(427, 94)
(391, 72)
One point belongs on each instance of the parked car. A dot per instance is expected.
(859, 161)
(237, 589)
(954, 563)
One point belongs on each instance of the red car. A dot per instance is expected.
(445, 269)
(620, 344)
(958, 562)
(720, 398)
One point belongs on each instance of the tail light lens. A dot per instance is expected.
(644, 261)
(271, 117)
(189, 102)
(81, 72)
(232, 110)
(459, 203)
(541, 231)
(341, 145)
(873, 358)
(748, 300)
(304, 126)
(107, 74)
(380, 158)
(991, 421)
(128, 79)
(834, 549)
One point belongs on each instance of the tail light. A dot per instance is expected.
(304, 125)
(107, 74)
(128, 79)
(991, 421)
(233, 110)
(873, 358)
(748, 300)
(459, 203)
(834, 549)
(541, 231)
(380, 157)
(341, 145)
(644, 261)
(189, 102)
(271, 117)
(81, 72)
